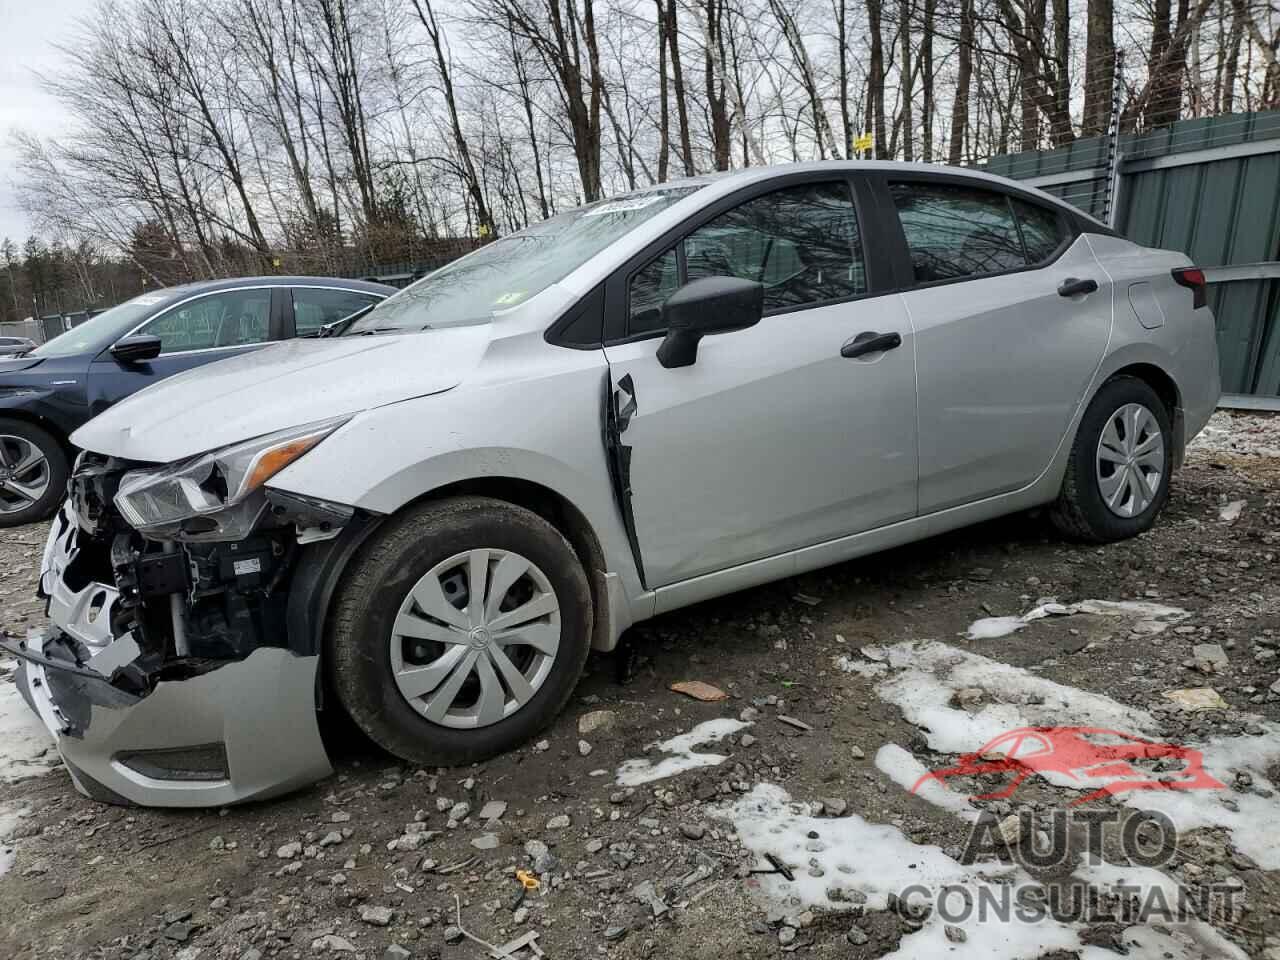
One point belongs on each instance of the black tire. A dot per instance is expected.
(1080, 512)
(54, 455)
(378, 580)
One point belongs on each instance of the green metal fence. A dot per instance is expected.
(1210, 188)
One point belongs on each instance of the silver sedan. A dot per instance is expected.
(429, 518)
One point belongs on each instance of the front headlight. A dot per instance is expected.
(216, 481)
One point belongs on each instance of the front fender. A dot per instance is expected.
(543, 430)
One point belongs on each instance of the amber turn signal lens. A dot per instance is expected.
(276, 459)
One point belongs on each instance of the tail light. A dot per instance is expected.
(1193, 279)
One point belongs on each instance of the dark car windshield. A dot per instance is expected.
(97, 333)
(509, 271)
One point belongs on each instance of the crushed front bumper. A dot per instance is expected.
(238, 730)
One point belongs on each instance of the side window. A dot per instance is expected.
(313, 307)
(802, 243)
(956, 231)
(649, 286)
(227, 319)
(1043, 231)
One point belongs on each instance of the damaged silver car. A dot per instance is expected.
(429, 518)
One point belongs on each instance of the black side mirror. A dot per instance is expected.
(709, 305)
(135, 349)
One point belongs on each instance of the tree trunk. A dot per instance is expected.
(1062, 72)
(664, 113)
(485, 217)
(904, 71)
(1099, 68)
(926, 81)
(717, 100)
(964, 77)
(677, 81)
(842, 61)
(875, 80)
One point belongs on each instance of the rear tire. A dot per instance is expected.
(33, 473)
(438, 679)
(1117, 480)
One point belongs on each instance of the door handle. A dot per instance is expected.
(1073, 287)
(870, 342)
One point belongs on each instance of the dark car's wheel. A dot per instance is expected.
(460, 631)
(1117, 479)
(33, 473)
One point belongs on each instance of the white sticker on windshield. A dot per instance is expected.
(623, 206)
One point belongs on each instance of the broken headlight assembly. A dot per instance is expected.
(216, 495)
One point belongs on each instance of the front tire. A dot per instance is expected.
(1117, 480)
(460, 631)
(33, 473)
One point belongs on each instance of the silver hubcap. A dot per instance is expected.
(475, 638)
(1130, 460)
(24, 473)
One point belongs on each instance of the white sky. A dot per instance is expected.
(28, 31)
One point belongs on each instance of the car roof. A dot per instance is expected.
(236, 283)
(731, 179)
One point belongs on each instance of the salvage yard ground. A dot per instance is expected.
(642, 813)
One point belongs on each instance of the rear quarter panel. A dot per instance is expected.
(1161, 328)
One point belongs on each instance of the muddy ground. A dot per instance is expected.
(312, 874)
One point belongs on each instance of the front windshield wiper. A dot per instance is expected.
(338, 326)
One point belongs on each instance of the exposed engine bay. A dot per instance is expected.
(181, 668)
(189, 602)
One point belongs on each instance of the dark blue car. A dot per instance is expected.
(48, 392)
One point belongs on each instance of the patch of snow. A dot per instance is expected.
(1149, 618)
(876, 859)
(1175, 938)
(927, 676)
(26, 748)
(879, 861)
(905, 770)
(9, 817)
(863, 668)
(682, 757)
(1231, 511)
(1255, 823)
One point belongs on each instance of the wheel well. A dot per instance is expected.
(1157, 380)
(561, 514)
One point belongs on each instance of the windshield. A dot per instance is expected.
(509, 271)
(106, 328)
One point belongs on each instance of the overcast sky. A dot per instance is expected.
(28, 31)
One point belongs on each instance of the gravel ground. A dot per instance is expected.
(832, 705)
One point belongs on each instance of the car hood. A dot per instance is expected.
(281, 386)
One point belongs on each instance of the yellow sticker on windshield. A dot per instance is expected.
(507, 299)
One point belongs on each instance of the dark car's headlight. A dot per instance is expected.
(215, 482)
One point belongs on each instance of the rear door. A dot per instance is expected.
(192, 333)
(1006, 344)
(771, 440)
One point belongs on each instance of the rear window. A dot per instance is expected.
(1043, 231)
(954, 232)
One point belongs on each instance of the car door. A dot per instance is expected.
(771, 440)
(1004, 348)
(313, 307)
(194, 332)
